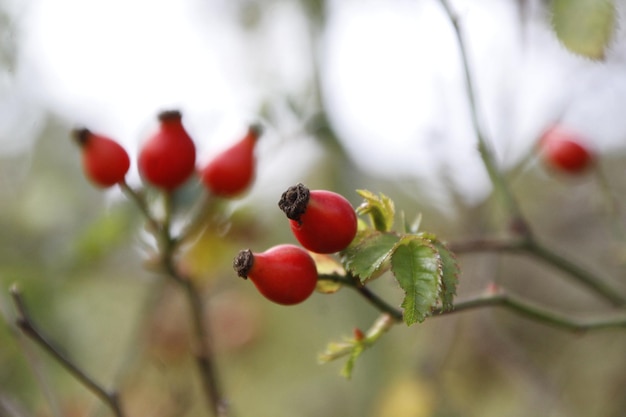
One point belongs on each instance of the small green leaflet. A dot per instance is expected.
(450, 275)
(353, 348)
(417, 266)
(367, 257)
(585, 27)
(380, 209)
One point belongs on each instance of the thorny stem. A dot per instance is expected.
(518, 222)
(28, 327)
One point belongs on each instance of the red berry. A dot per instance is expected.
(565, 151)
(322, 221)
(105, 161)
(168, 157)
(284, 274)
(232, 171)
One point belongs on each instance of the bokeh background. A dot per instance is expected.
(353, 94)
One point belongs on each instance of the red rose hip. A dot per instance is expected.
(565, 151)
(284, 274)
(321, 220)
(105, 162)
(167, 159)
(231, 172)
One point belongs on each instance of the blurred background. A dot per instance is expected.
(353, 94)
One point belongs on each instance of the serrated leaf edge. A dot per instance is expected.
(404, 240)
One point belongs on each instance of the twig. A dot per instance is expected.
(488, 245)
(141, 203)
(204, 353)
(491, 299)
(369, 295)
(532, 311)
(613, 206)
(588, 279)
(518, 221)
(26, 325)
(167, 246)
(532, 247)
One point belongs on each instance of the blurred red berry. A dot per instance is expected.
(232, 171)
(105, 162)
(565, 151)
(167, 159)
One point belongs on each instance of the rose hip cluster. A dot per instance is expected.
(167, 159)
(323, 222)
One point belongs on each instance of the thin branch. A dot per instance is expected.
(204, 354)
(530, 246)
(614, 211)
(368, 294)
(518, 222)
(581, 275)
(533, 311)
(488, 245)
(139, 200)
(167, 247)
(491, 299)
(27, 326)
(379, 302)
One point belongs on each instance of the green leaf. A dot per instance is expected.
(367, 256)
(449, 275)
(414, 226)
(358, 349)
(380, 209)
(416, 265)
(585, 27)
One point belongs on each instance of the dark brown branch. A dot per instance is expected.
(28, 327)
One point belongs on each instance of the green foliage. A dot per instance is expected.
(418, 269)
(379, 208)
(368, 256)
(449, 274)
(423, 266)
(353, 347)
(425, 269)
(585, 27)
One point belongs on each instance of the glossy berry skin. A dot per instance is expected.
(285, 274)
(105, 162)
(232, 171)
(565, 151)
(167, 159)
(321, 220)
